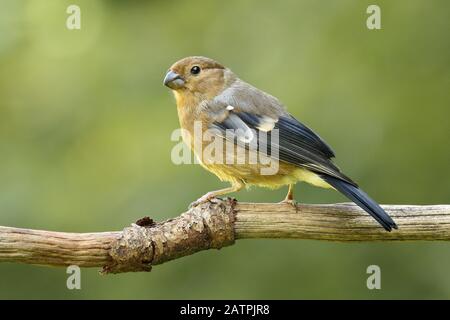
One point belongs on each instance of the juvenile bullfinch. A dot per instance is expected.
(210, 96)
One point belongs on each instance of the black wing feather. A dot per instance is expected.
(305, 135)
(297, 144)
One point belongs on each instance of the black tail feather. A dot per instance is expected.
(363, 200)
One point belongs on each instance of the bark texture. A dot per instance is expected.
(215, 225)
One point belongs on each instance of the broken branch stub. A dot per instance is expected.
(208, 226)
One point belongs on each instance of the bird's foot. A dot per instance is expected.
(291, 202)
(206, 198)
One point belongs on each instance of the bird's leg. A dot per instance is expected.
(290, 197)
(236, 186)
(290, 194)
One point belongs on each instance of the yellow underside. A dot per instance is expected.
(251, 175)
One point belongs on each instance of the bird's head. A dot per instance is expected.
(196, 75)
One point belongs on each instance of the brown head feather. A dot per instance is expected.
(204, 85)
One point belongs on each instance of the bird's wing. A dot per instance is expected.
(296, 143)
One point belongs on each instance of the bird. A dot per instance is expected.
(213, 99)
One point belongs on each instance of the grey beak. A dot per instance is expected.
(173, 80)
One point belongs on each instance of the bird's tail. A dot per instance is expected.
(363, 200)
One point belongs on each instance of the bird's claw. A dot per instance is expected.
(293, 203)
(206, 198)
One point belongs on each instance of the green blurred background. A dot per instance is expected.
(85, 126)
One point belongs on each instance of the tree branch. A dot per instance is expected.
(216, 225)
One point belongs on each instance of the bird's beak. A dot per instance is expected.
(173, 80)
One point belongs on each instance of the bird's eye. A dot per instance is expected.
(195, 70)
